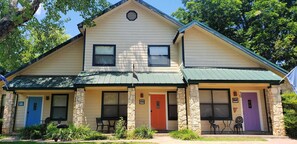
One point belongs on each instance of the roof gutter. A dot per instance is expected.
(272, 82)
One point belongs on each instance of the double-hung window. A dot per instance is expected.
(172, 105)
(215, 104)
(59, 107)
(104, 55)
(159, 55)
(114, 104)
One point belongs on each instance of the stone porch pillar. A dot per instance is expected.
(181, 109)
(276, 111)
(78, 108)
(194, 109)
(131, 109)
(8, 113)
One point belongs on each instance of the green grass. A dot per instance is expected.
(231, 139)
(2, 136)
(185, 134)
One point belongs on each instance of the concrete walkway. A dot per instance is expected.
(165, 139)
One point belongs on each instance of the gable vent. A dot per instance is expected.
(131, 15)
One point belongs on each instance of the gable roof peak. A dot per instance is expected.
(143, 3)
(231, 42)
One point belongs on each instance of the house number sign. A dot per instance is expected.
(20, 103)
(141, 101)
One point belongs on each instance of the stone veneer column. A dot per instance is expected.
(8, 113)
(181, 109)
(276, 111)
(78, 109)
(131, 109)
(194, 109)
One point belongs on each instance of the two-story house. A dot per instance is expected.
(140, 64)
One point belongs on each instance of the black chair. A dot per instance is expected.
(99, 122)
(238, 125)
(44, 125)
(213, 126)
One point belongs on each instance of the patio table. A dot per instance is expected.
(227, 125)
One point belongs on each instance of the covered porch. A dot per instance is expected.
(239, 101)
(162, 101)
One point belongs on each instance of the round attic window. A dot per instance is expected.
(131, 15)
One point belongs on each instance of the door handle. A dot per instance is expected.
(151, 111)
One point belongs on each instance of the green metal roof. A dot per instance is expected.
(233, 43)
(196, 75)
(42, 82)
(126, 78)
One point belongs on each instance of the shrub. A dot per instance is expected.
(290, 113)
(185, 134)
(96, 136)
(142, 132)
(120, 129)
(68, 134)
(31, 132)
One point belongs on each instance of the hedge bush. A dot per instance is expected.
(142, 132)
(120, 129)
(290, 113)
(31, 132)
(68, 134)
(184, 134)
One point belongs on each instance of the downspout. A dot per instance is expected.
(267, 117)
(15, 111)
(186, 102)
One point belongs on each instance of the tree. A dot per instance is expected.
(15, 13)
(23, 37)
(268, 27)
(30, 41)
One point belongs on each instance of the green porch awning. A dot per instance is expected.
(42, 82)
(198, 75)
(126, 79)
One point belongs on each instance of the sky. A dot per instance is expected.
(166, 6)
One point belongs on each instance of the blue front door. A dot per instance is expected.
(34, 111)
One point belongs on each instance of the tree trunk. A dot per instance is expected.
(7, 24)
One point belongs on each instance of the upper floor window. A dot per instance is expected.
(159, 55)
(104, 55)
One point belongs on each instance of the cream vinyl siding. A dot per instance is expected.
(46, 104)
(203, 49)
(66, 61)
(131, 39)
(93, 101)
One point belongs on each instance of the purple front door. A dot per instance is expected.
(250, 111)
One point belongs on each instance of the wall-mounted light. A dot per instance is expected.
(47, 97)
(141, 95)
(234, 93)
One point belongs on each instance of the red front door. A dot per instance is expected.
(158, 112)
